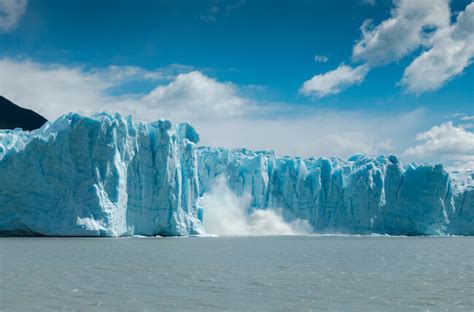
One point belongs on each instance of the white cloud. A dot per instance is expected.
(198, 97)
(319, 133)
(402, 32)
(320, 58)
(445, 139)
(11, 11)
(123, 73)
(452, 51)
(221, 115)
(446, 143)
(467, 118)
(421, 25)
(334, 81)
(55, 89)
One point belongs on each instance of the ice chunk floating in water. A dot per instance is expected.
(105, 176)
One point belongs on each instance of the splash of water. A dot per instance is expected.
(225, 213)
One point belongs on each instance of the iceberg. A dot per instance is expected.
(103, 175)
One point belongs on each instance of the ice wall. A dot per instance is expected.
(462, 217)
(99, 176)
(355, 196)
(105, 176)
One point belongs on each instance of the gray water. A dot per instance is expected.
(300, 273)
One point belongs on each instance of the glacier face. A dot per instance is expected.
(105, 176)
(355, 196)
(99, 176)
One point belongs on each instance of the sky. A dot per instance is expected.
(323, 78)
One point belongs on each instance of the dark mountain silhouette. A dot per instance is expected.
(13, 116)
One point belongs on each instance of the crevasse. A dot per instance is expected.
(105, 176)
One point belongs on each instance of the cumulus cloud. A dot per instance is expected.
(334, 81)
(445, 139)
(422, 25)
(53, 89)
(196, 96)
(452, 51)
(402, 32)
(11, 11)
(445, 143)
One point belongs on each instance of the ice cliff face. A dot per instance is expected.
(105, 176)
(462, 217)
(99, 176)
(360, 195)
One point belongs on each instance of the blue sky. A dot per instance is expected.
(268, 43)
(250, 61)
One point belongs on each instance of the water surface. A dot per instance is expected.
(237, 274)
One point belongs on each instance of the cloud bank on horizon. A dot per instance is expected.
(227, 115)
(446, 48)
(227, 118)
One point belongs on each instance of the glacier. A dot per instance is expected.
(99, 176)
(359, 195)
(103, 175)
